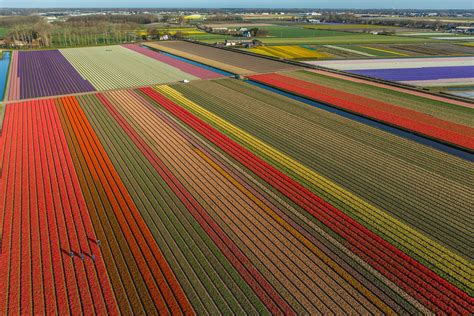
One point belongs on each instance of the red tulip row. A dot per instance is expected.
(417, 280)
(47, 261)
(456, 134)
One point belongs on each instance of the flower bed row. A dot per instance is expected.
(226, 245)
(259, 120)
(44, 73)
(45, 220)
(456, 134)
(433, 291)
(189, 68)
(115, 67)
(194, 215)
(157, 287)
(208, 279)
(13, 87)
(227, 211)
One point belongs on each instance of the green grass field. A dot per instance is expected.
(208, 37)
(297, 32)
(274, 32)
(346, 26)
(331, 34)
(346, 39)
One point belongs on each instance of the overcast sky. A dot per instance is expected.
(364, 4)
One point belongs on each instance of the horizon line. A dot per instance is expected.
(248, 8)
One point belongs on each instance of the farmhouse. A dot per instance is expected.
(239, 42)
(465, 29)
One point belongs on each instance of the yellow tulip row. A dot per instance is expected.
(289, 52)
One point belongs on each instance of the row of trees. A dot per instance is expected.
(408, 22)
(36, 32)
(45, 35)
(218, 16)
(11, 21)
(65, 35)
(92, 20)
(27, 34)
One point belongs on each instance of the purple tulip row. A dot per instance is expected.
(47, 73)
(425, 73)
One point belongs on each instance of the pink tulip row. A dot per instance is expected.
(13, 90)
(181, 65)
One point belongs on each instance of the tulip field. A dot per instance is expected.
(290, 52)
(188, 198)
(455, 111)
(45, 218)
(37, 74)
(43, 73)
(452, 133)
(117, 67)
(187, 67)
(424, 72)
(230, 61)
(126, 189)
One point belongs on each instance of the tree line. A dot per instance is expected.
(36, 32)
(92, 20)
